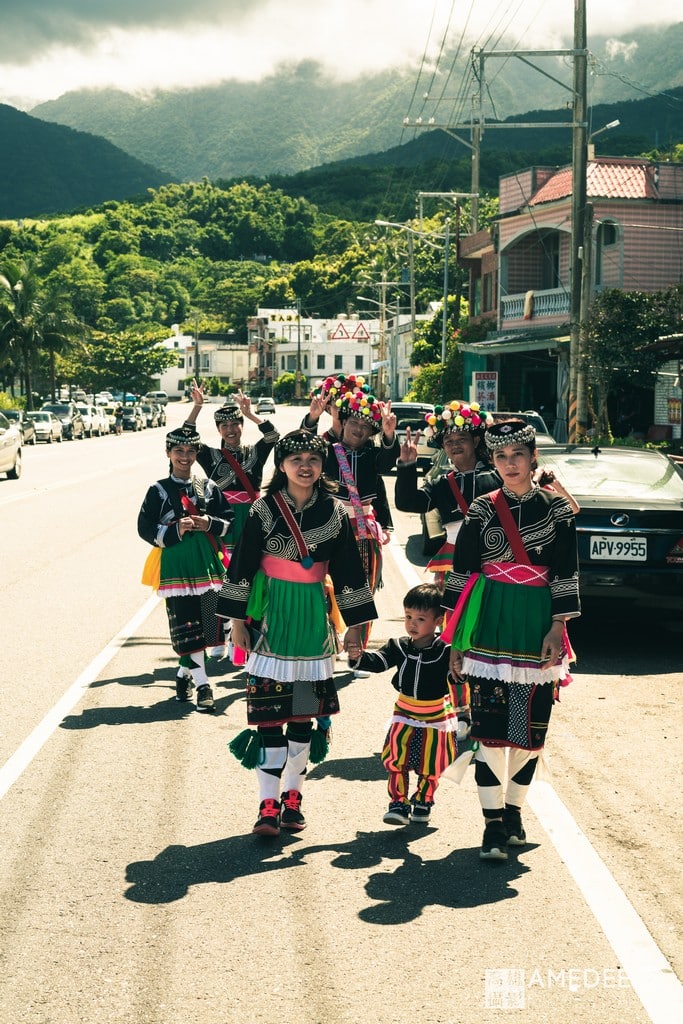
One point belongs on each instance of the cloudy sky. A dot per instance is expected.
(48, 47)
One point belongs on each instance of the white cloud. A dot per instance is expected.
(132, 49)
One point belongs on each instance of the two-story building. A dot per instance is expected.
(520, 269)
(280, 340)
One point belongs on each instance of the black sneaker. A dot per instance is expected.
(494, 843)
(512, 820)
(420, 812)
(268, 823)
(204, 698)
(398, 814)
(183, 688)
(291, 817)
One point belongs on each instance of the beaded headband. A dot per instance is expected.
(183, 435)
(299, 441)
(228, 414)
(509, 432)
(461, 417)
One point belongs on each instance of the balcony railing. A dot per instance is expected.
(548, 303)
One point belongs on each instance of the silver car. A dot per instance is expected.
(10, 448)
(47, 426)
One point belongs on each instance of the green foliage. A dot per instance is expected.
(618, 331)
(284, 387)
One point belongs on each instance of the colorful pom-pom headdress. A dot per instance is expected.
(229, 412)
(298, 441)
(454, 416)
(183, 435)
(357, 401)
(336, 387)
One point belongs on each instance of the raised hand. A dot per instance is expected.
(388, 420)
(197, 393)
(409, 446)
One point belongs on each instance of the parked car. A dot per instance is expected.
(91, 419)
(10, 448)
(25, 424)
(543, 435)
(69, 416)
(265, 406)
(102, 420)
(47, 426)
(109, 410)
(159, 397)
(151, 414)
(412, 414)
(630, 527)
(132, 418)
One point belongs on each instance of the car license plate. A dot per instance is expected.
(618, 549)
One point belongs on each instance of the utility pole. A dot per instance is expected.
(444, 316)
(297, 388)
(577, 425)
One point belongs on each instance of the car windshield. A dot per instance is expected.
(631, 475)
(39, 416)
(11, 414)
(60, 410)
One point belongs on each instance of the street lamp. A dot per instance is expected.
(605, 128)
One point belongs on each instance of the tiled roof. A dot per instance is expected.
(606, 178)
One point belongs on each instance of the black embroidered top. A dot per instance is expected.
(251, 457)
(328, 535)
(162, 507)
(422, 671)
(547, 526)
(438, 494)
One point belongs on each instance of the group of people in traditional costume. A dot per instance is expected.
(295, 567)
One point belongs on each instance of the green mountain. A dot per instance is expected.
(48, 168)
(300, 118)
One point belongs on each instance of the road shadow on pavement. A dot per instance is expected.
(457, 881)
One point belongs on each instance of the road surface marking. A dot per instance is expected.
(23, 755)
(649, 972)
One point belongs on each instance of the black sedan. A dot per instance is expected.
(630, 527)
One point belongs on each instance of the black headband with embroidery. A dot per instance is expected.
(509, 432)
(299, 441)
(228, 414)
(183, 435)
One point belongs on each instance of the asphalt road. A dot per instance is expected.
(132, 891)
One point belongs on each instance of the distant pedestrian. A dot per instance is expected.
(422, 734)
(184, 517)
(118, 419)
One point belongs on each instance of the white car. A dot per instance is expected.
(91, 419)
(265, 405)
(47, 426)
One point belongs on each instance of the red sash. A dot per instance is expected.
(301, 546)
(457, 493)
(239, 473)
(509, 527)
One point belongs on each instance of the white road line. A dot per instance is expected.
(649, 972)
(23, 755)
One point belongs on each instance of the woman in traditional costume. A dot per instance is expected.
(235, 467)
(295, 536)
(458, 428)
(513, 586)
(184, 517)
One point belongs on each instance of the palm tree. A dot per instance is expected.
(31, 319)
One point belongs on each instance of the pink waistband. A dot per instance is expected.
(237, 497)
(283, 569)
(516, 572)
